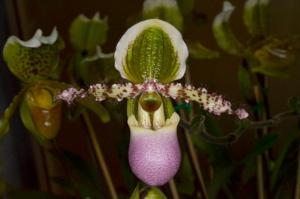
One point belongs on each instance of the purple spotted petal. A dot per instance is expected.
(154, 156)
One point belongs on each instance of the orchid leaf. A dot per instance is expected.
(87, 175)
(95, 107)
(9, 111)
(260, 146)
(223, 33)
(185, 178)
(280, 159)
(221, 177)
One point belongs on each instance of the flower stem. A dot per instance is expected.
(94, 143)
(261, 98)
(99, 155)
(191, 149)
(173, 189)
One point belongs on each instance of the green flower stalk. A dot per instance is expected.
(151, 55)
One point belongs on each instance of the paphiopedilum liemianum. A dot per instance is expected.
(152, 54)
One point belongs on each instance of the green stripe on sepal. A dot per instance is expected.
(152, 49)
(34, 59)
(151, 56)
(223, 33)
(256, 16)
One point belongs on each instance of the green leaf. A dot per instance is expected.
(260, 146)
(95, 107)
(280, 159)
(218, 154)
(136, 193)
(9, 111)
(256, 16)
(223, 33)
(221, 177)
(245, 83)
(86, 175)
(248, 171)
(86, 34)
(198, 51)
(185, 177)
(31, 195)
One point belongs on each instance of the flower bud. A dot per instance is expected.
(151, 193)
(40, 113)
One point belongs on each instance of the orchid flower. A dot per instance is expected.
(151, 55)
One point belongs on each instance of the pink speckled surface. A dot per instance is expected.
(154, 157)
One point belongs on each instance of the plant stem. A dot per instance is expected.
(95, 144)
(173, 189)
(99, 155)
(297, 191)
(259, 159)
(260, 97)
(191, 149)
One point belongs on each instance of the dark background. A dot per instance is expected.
(23, 17)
